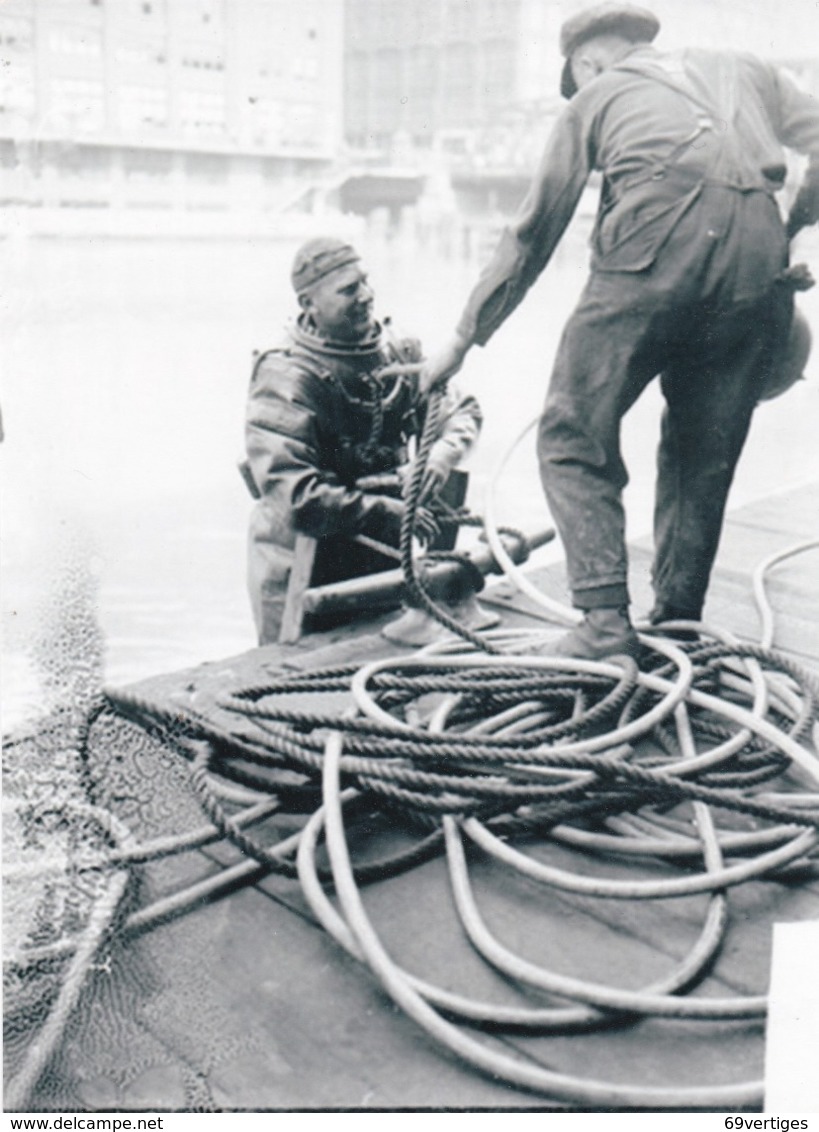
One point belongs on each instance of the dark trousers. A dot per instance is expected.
(710, 320)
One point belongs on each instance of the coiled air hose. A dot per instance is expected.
(482, 739)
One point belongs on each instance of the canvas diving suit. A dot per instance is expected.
(320, 420)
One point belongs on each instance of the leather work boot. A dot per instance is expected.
(662, 612)
(602, 633)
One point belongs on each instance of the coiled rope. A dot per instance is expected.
(483, 741)
(523, 744)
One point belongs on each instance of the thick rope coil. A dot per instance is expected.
(600, 757)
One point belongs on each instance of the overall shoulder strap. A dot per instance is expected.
(673, 73)
(711, 89)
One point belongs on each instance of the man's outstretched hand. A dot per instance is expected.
(443, 365)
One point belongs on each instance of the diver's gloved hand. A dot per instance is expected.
(382, 519)
(436, 473)
(426, 528)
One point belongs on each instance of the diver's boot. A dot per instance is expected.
(602, 633)
(417, 628)
(472, 615)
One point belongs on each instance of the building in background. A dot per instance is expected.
(182, 109)
(191, 105)
(461, 91)
(465, 91)
(476, 81)
(447, 76)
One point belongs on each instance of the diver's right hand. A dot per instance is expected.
(382, 520)
(385, 516)
(426, 528)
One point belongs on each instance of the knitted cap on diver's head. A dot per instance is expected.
(318, 258)
(633, 23)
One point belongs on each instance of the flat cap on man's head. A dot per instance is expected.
(633, 23)
(317, 258)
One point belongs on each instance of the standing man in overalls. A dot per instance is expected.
(689, 280)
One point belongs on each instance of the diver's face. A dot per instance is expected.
(341, 304)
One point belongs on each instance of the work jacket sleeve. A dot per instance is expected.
(459, 418)
(796, 120)
(285, 435)
(527, 244)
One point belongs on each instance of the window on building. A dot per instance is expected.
(203, 111)
(18, 97)
(142, 107)
(301, 128)
(201, 18)
(142, 54)
(85, 164)
(458, 20)
(358, 30)
(266, 118)
(304, 67)
(421, 87)
(386, 91)
(78, 40)
(202, 54)
(356, 97)
(140, 13)
(77, 104)
(421, 70)
(16, 33)
(417, 23)
(356, 74)
(393, 19)
(205, 168)
(459, 84)
(500, 15)
(147, 165)
(8, 155)
(499, 63)
(197, 63)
